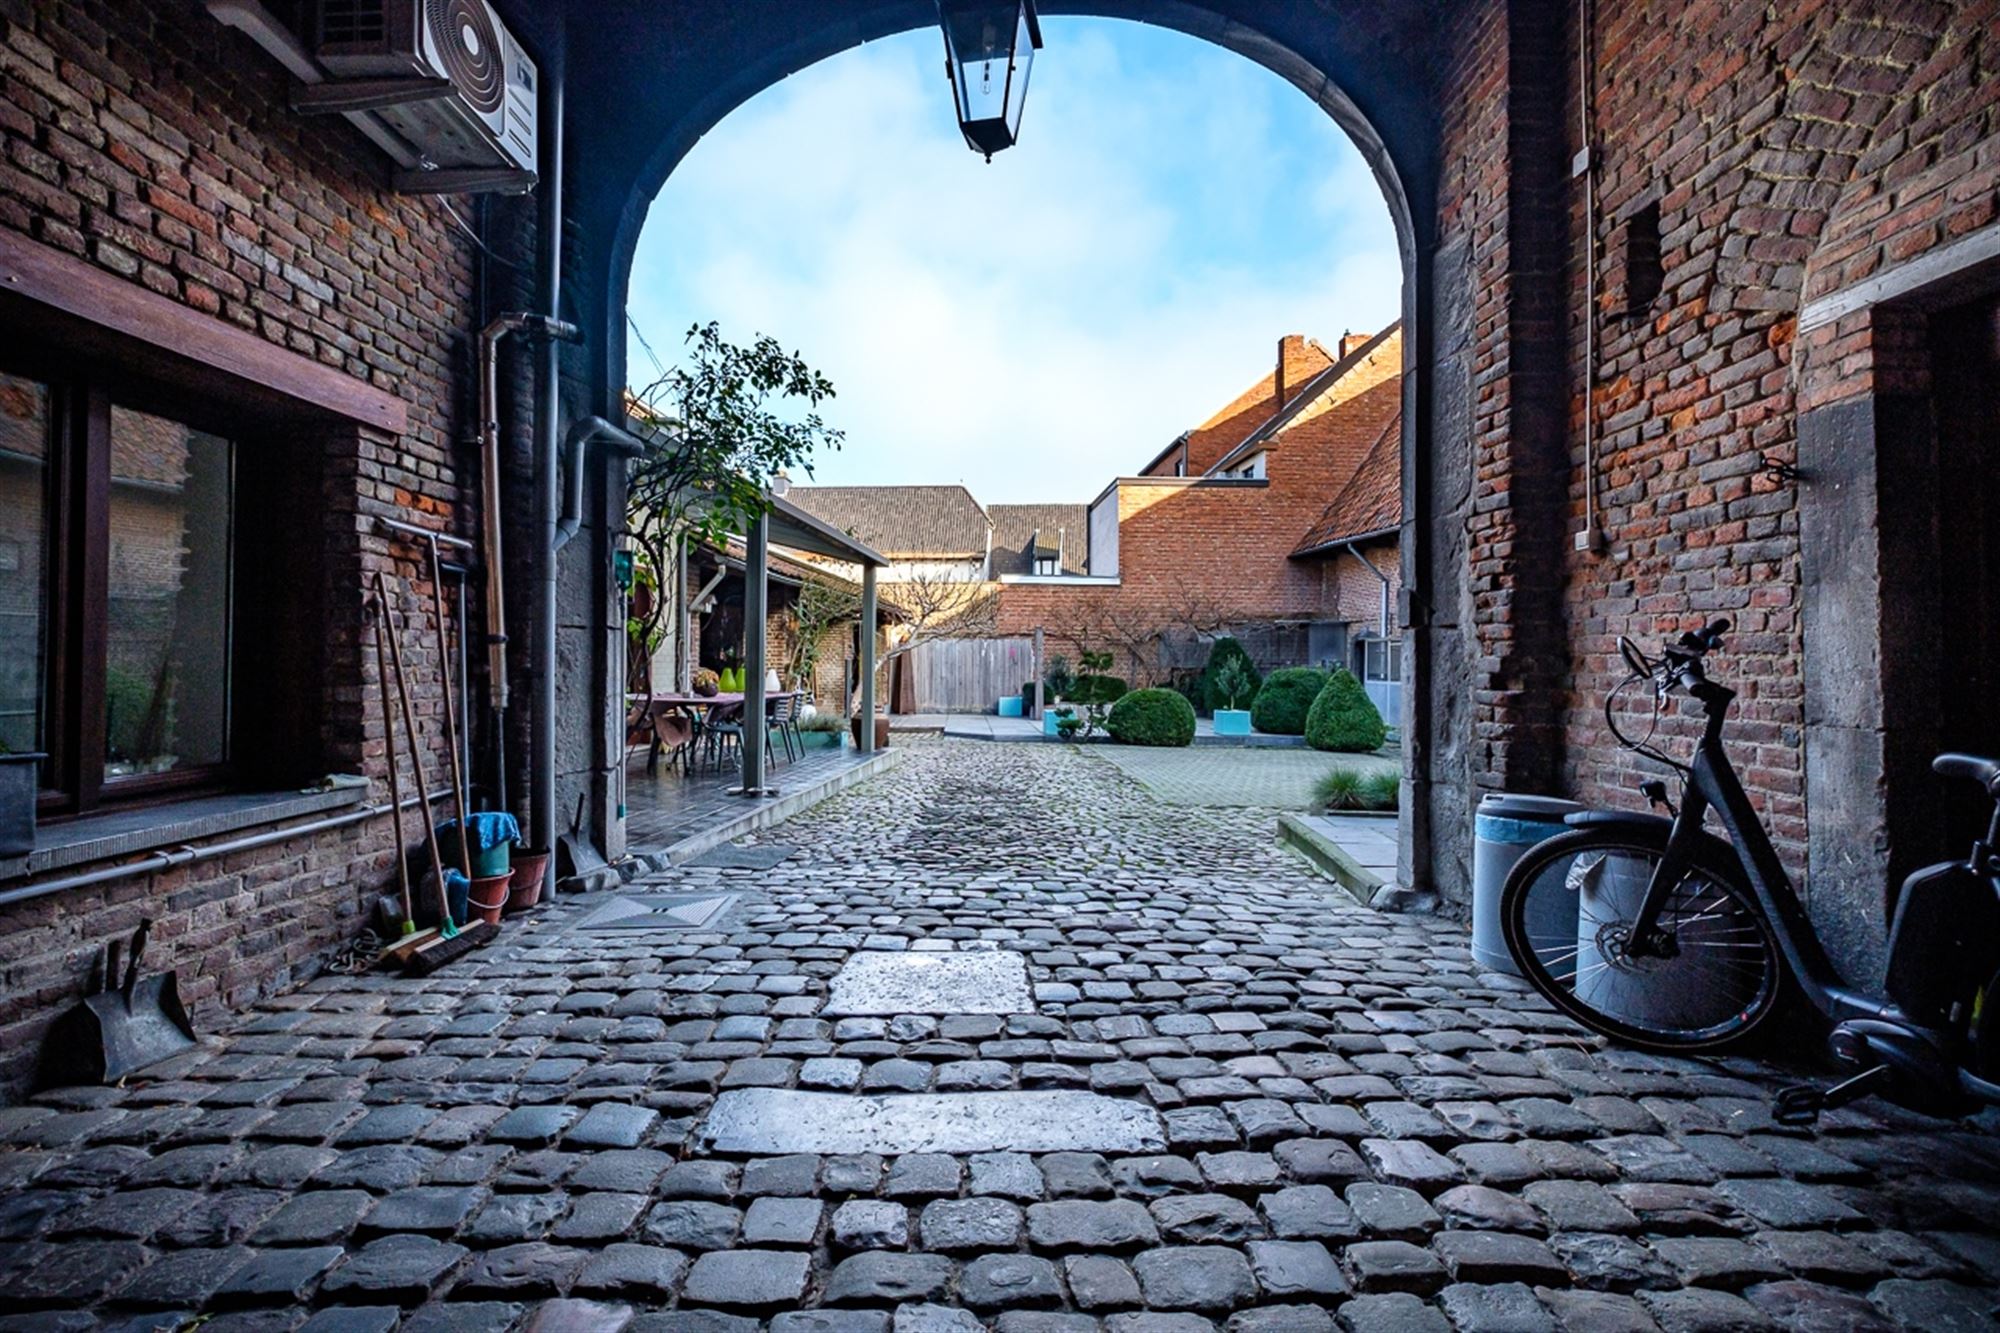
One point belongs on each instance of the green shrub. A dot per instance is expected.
(1058, 681)
(1152, 717)
(823, 722)
(1213, 695)
(1383, 790)
(1351, 789)
(1339, 789)
(1343, 718)
(1287, 696)
(1092, 689)
(1028, 699)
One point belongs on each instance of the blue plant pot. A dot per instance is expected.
(1049, 721)
(1232, 722)
(1010, 706)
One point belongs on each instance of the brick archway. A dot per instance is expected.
(701, 61)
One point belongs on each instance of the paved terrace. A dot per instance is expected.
(1002, 1043)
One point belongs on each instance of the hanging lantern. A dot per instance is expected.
(988, 49)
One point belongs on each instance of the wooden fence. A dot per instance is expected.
(967, 675)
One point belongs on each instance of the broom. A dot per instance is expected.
(453, 943)
(400, 950)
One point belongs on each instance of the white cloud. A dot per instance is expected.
(1037, 325)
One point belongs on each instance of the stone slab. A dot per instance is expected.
(992, 981)
(658, 912)
(761, 856)
(770, 1121)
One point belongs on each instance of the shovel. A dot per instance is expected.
(574, 850)
(123, 1028)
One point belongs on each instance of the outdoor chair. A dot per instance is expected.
(675, 734)
(782, 717)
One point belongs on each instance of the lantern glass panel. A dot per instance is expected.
(1017, 83)
(982, 52)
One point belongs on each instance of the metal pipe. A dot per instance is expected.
(582, 432)
(490, 338)
(548, 244)
(756, 629)
(1588, 538)
(1368, 565)
(865, 732)
(188, 855)
(425, 534)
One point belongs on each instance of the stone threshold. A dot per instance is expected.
(762, 1122)
(1330, 858)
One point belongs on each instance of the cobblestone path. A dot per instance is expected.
(1353, 1129)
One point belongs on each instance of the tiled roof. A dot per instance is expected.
(900, 521)
(1307, 394)
(1047, 526)
(1372, 500)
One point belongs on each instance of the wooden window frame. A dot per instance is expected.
(78, 602)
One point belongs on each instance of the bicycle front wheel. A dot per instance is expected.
(1711, 975)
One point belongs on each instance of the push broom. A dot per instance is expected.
(452, 943)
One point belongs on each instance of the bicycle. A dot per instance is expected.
(1653, 931)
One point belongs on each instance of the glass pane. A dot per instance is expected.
(166, 690)
(24, 543)
(1017, 82)
(979, 41)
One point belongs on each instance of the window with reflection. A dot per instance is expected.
(117, 534)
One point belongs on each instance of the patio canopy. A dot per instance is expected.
(787, 525)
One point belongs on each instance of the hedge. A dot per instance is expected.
(1281, 706)
(1224, 649)
(1343, 718)
(1100, 689)
(1152, 717)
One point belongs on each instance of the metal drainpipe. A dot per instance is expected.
(548, 241)
(1355, 551)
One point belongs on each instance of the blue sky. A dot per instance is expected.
(1035, 326)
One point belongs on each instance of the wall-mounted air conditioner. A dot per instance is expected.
(445, 75)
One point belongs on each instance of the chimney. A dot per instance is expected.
(1295, 365)
(1350, 343)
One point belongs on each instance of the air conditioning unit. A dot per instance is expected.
(445, 75)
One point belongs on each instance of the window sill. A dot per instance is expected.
(100, 837)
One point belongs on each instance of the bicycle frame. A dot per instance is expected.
(1712, 784)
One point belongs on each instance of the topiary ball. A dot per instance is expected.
(1287, 696)
(1343, 718)
(1152, 717)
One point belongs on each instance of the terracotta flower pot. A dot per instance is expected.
(524, 890)
(489, 897)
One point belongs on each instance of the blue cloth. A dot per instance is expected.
(489, 829)
(457, 890)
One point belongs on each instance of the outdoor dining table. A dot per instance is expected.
(704, 705)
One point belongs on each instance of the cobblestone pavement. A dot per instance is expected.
(1224, 776)
(1357, 1131)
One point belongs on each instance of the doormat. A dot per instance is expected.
(676, 911)
(760, 856)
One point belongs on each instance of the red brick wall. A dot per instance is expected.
(148, 140)
(1197, 554)
(1792, 150)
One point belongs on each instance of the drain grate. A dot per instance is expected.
(761, 856)
(671, 911)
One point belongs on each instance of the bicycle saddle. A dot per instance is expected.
(1986, 772)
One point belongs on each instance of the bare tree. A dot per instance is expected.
(1139, 636)
(926, 609)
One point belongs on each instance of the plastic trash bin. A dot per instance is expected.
(1506, 825)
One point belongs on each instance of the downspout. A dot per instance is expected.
(1355, 551)
(582, 433)
(548, 246)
